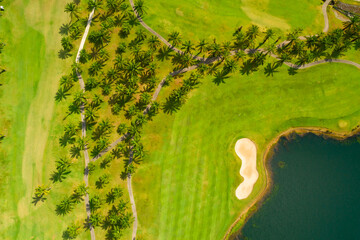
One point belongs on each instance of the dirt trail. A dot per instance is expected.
(326, 18)
(83, 125)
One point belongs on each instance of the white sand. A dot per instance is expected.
(246, 150)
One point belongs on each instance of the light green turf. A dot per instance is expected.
(209, 19)
(185, 188)
(30, 29)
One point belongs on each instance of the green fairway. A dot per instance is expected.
(27, 113)
(209, 19)
(185, 188)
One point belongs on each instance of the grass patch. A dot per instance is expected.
(31, 120)
(185, 188)
(218, 19)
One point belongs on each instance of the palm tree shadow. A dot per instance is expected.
(164, 53)
(219, 79)
(292, 71)
(64, 29)
(63, 54)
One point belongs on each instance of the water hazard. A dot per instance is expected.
(316, 192)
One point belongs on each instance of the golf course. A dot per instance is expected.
(121, 118)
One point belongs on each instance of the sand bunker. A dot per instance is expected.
(246, 150)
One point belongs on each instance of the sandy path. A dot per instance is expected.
(246, 150)
(326, 18)
(83, 124)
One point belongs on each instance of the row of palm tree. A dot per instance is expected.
(68, 203)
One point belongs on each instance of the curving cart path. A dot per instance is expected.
(326, 18)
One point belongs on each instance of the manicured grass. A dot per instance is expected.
(185, 188)
(209, 19)
(32, 122)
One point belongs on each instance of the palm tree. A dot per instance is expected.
(96, 101)
(59, 175)
(139, 7)
(202, 46)
(75, 32)
(305, 57)
(91, 83)
(40, 194)
(219, 77)
(154, 42)
(95, 68)
(114, 194)
(75, 151)
(292, 37)
(113, 6)
(104, 55)
(133, 68)
(121, 129)
(230, 65)
(270, 69)
(79, 193)
(83, 56)
(105, 163)
(132, 111)
(151, 69)
(102, 181)
(187, 60)
(140, 34)
(63, 163)
(240, 55)
(94, 4)
(215, 50)
(71, 232)
(252, 32)
(164, 53)
(202, 68)
(269, 33)
(226, 48)
(71, 8)
(356, 44)
(125, 30)
(175, 38)
(283, 58)
(79, 98)
(90, 115)
(188, 46)
(95, 203)
(354, 21)
(66, 44)
(259, 58)
(312, 41)
(98, 38)
(64, 207)
(61, 94)
(94, 221)
(240, 41)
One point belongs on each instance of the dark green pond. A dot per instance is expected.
(316, 192)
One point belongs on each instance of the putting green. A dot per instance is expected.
(208, 19)
(185, 188)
